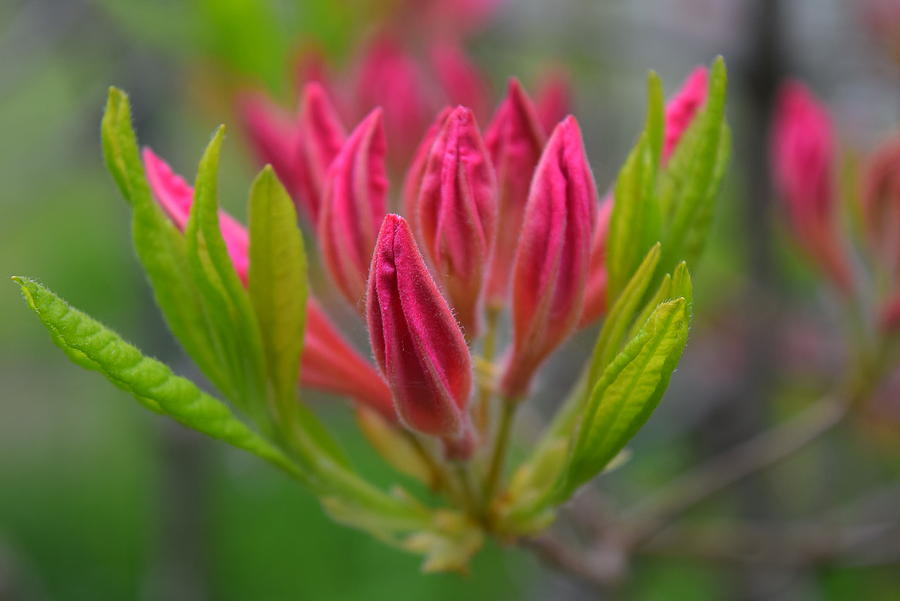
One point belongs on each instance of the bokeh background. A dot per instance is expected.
(102, 500)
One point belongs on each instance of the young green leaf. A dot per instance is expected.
(159, 245)
(636, 220)
(277, 282)
(689, 185)
(96, 347)
(225, 303)
(621, 315)
(627, 393)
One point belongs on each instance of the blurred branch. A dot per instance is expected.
(732, 466)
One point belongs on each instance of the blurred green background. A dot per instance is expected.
(102, 500)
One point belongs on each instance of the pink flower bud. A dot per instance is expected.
(553, 99)
(515, 140)
(682, 108)
(416, 341)
(320, 136)
(413, 180)
(460, 80)
(880, 198)
(176, 197)
(353, 206)
(551, 265)
(272, 135)
(330, 364)
(390, 78)
(595, 291)
(457, 213)
(803, 165)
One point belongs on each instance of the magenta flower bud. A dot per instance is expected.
(320, 135)
(390, 78)
(272, 134)
(353, 206)
(803, 169)
(460, 80)
(514, 139)
(553, 100)
(551, 265)
(457, 213)
(413, 180)
(330, 364)
(683, 107)
(416, 341)
(176, 197)
(595, 290)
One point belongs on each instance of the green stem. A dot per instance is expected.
(488, 350)
(501, 445)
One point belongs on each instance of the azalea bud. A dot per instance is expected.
(320, 136)
(682, 108)
(390, 78)
(803, 164)
(413, 180)
(272, 135)
(176, 197)
(880, 198)
(553, 99)
(330, 364)
(416, 341)
(458, 77)
(514, 140)
(551, 265)
(353, 206)
(595, 290)
(457, 213)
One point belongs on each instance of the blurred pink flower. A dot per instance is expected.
(803, 170)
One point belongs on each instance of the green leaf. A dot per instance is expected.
(636, 220)
(159, 245)
(277, 281)
(98, 348)
(627, 393)
(226, 307)
(278, 290)
(622, 314)
(689, 185)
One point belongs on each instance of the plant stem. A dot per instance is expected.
(501, 445)
(488, 350)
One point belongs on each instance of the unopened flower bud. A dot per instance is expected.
(272, 134)
(514, 139)
(803, 166)
(416, 341)
(552, 259)
(353, 207)
(456, 214)
(320, 136)
(683, 107)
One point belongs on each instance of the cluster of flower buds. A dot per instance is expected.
(386, 73)
(505, 221)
